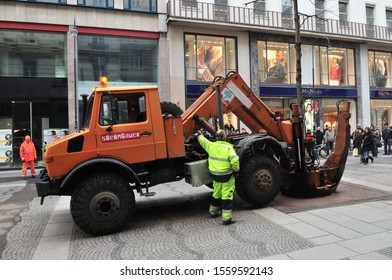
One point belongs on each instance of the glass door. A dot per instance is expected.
(21, 126)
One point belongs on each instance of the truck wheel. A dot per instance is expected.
(102, 204)
(169, 108)
(259, 181)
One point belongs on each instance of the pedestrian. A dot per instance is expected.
(309, 143)
(28, 154)
(325, 128)
(229, 127)
(367, 145)
(329, 139)
(357, 132)
(223, 164)
(376, 141)
(319, 136)
(359, 140)
(386, 134)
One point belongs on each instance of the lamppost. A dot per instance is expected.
(74, 33)
(329, 51)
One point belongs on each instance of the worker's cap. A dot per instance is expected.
(27, 138)
(221, 135)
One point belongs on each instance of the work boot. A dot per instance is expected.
(214, 214)
(229, 221)
(214, 211)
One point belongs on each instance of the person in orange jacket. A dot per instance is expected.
(28, 154)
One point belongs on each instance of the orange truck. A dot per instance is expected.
(130, 142)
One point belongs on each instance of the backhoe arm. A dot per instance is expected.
(239, 99)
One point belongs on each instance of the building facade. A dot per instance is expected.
(42, 77)
(345, 53)
(180, 45)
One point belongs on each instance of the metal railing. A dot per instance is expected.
(203, 12)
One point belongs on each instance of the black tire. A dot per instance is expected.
(259, 181)
(102, 204)
(169, 108)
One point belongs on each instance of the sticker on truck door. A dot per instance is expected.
(120, 136)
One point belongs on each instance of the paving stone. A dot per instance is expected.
(327, 239)
(367, 244)
(324, 252)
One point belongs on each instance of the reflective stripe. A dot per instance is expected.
(220, 159)
(233, 157)
(221, 172)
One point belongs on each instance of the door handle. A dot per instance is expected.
(146, 133)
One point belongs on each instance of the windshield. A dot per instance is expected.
(89, 109)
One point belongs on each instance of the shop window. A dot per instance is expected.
(341, 67)
(32, 54)
(380, 112)
(328, 112)
(311, 115)
(279, 106)
(141, 5)
(123, 60)
(207, 57)
(380, 69)
(276, 63)
(320, 66)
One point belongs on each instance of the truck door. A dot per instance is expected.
(124, 130)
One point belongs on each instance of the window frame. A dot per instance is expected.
(107, 6)
(259, 8)
(370, 18)
(388, 21)
(343, 15)
(152, 6)
(192, 63)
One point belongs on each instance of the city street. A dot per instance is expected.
(353, 223)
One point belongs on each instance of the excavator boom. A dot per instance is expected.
(303, 176)
(239, 99)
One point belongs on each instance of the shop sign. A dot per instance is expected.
(383, 94)
(308, 92)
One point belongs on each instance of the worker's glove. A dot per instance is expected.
(236, 174)
(197, 133)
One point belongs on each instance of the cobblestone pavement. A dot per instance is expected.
(354, 223)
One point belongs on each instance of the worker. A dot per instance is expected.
(28, 154)
(223, 164)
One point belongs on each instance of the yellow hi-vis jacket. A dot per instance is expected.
(222, 159)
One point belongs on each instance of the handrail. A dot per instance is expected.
(201, 11)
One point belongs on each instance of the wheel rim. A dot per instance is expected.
(104, 205)
(263, 180)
